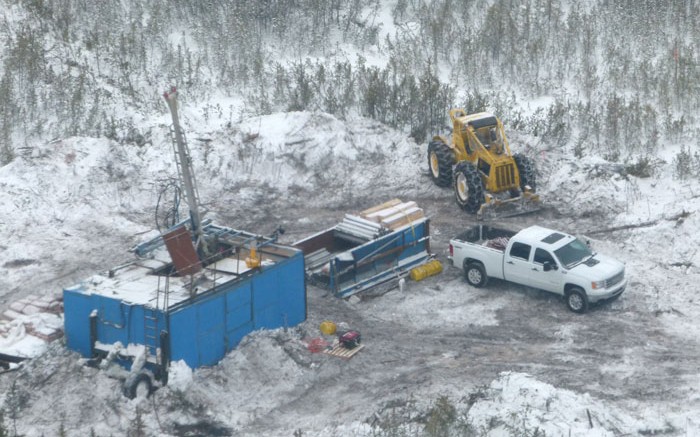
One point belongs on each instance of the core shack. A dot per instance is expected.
(195, 317)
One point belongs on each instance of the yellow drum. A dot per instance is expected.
(327, 327)
(428, 269)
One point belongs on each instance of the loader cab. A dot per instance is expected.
(495, 140)
(479, 130)
(482, 136)
(490, 138)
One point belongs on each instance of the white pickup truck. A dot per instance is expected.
(541, 258)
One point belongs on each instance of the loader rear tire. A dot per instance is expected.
(440, 160)
(526, 169)
(468, 187)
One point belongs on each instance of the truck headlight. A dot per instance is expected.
(598, 284)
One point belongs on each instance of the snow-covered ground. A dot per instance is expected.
(509, 360)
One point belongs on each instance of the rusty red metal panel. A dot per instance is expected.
(182, 251)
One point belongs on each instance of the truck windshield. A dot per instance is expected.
(573, 253)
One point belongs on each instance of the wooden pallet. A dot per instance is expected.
(338, 350)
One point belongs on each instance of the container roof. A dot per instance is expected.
(139, 281)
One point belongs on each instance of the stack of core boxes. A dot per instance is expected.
(393, 214)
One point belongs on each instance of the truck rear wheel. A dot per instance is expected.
(440, 160)
(576, 300)
(475, 274)
(468, 187)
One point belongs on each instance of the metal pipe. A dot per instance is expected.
(357, 219)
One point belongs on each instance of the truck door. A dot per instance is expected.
(517, 266)
(546, 280)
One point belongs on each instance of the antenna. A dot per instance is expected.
(184, 162)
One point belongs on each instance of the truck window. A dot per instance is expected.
(542, 256)
(520, 250)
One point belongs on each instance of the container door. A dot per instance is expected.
(210, 329)
(266, 291)
(239, 315)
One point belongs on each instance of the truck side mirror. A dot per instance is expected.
(547, 266)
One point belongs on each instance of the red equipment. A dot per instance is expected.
(349, 339)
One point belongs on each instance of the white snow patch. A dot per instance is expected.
(16, 341)
(179, 375)
(519, 402)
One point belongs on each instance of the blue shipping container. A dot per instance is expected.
(203, 316)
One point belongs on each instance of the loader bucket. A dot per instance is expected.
(495, 208)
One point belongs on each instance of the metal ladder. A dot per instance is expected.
(150, 321)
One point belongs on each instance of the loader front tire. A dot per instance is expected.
(440, 160)
(468, 187)
(527, 172)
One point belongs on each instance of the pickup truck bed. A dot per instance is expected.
(495, 238)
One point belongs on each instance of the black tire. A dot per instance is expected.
(138, 384)
(526, 169)
(468, 187)
(475, 274)
(576, 300)
(440, 160)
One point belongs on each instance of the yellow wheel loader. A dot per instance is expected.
(488, 180)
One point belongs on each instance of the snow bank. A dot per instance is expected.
(314, 157)
(514, 404)
(519, 404)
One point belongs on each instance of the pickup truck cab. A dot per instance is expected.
(541, 258)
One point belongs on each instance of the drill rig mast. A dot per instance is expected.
(186, 174)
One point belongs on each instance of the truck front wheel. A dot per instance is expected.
(475, 274)
(576, 300)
